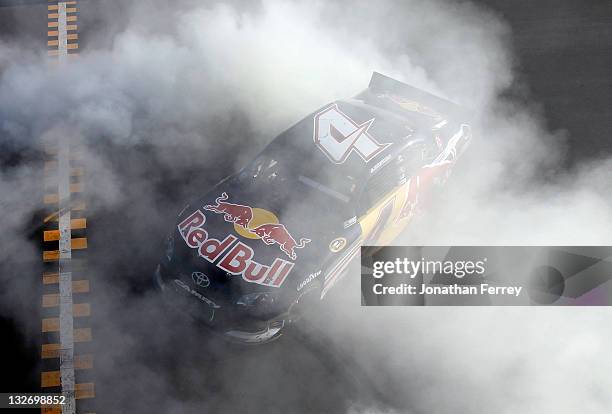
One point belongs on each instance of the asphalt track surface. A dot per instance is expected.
(564, 49)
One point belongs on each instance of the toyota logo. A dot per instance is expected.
(200, 279)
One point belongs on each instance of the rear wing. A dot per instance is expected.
(380, 84)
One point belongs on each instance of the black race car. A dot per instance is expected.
(261, 245)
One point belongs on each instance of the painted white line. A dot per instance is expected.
(66, 317)
(65, 280)
(62, 32)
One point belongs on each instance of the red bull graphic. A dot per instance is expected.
(257, 223)
(232, 213)
(235, 258)
(271, 233)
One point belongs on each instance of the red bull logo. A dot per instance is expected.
(232, 213)
(277, 233)
(257, 223)
(234, 258)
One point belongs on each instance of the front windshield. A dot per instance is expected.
(271, 170)
(262, 169)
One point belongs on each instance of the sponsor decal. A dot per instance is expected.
(348, 223)
(337, 245)
(235, 258)
(309, 279)
(200, 279)
(380, 163)
(277, 233)
(337, 136)
(204, 299)
(257, 223)
(414, 106)
(233, 213)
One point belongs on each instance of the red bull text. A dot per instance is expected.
(234, 258)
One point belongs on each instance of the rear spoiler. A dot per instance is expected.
(380, 83)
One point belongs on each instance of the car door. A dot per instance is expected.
(380, 203)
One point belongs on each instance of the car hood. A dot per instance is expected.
(283, 230)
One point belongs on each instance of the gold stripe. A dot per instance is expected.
(76, 187)
(84, 390)
(75, 207)
(50, 278)
(52, 42)
(50, 325)
(77, 171)
(50, 351)
(84, 361)
(76, 244)
(80, 206)
(49, 300)
(72, 36)
(52, 7)
(82, 335)
(53, 15)
(76, 224)
(79, 243)
(71, 18)
(51, 199)
(52, 33)
(52, 216)
(53, 378)
(51, 409)
(72, 46)
(70, 27)
(80, 310)
(80, 286)
(51, 255)
(52, 24)
(71, 9)
(51, 235)
(50, 379)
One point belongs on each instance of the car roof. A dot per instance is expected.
(298, 147)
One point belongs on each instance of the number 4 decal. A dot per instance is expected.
(337, 136)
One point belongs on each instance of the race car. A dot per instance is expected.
(248, 256)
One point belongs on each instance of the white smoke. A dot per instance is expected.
(203, 87)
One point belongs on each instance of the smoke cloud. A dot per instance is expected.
(167, 98)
